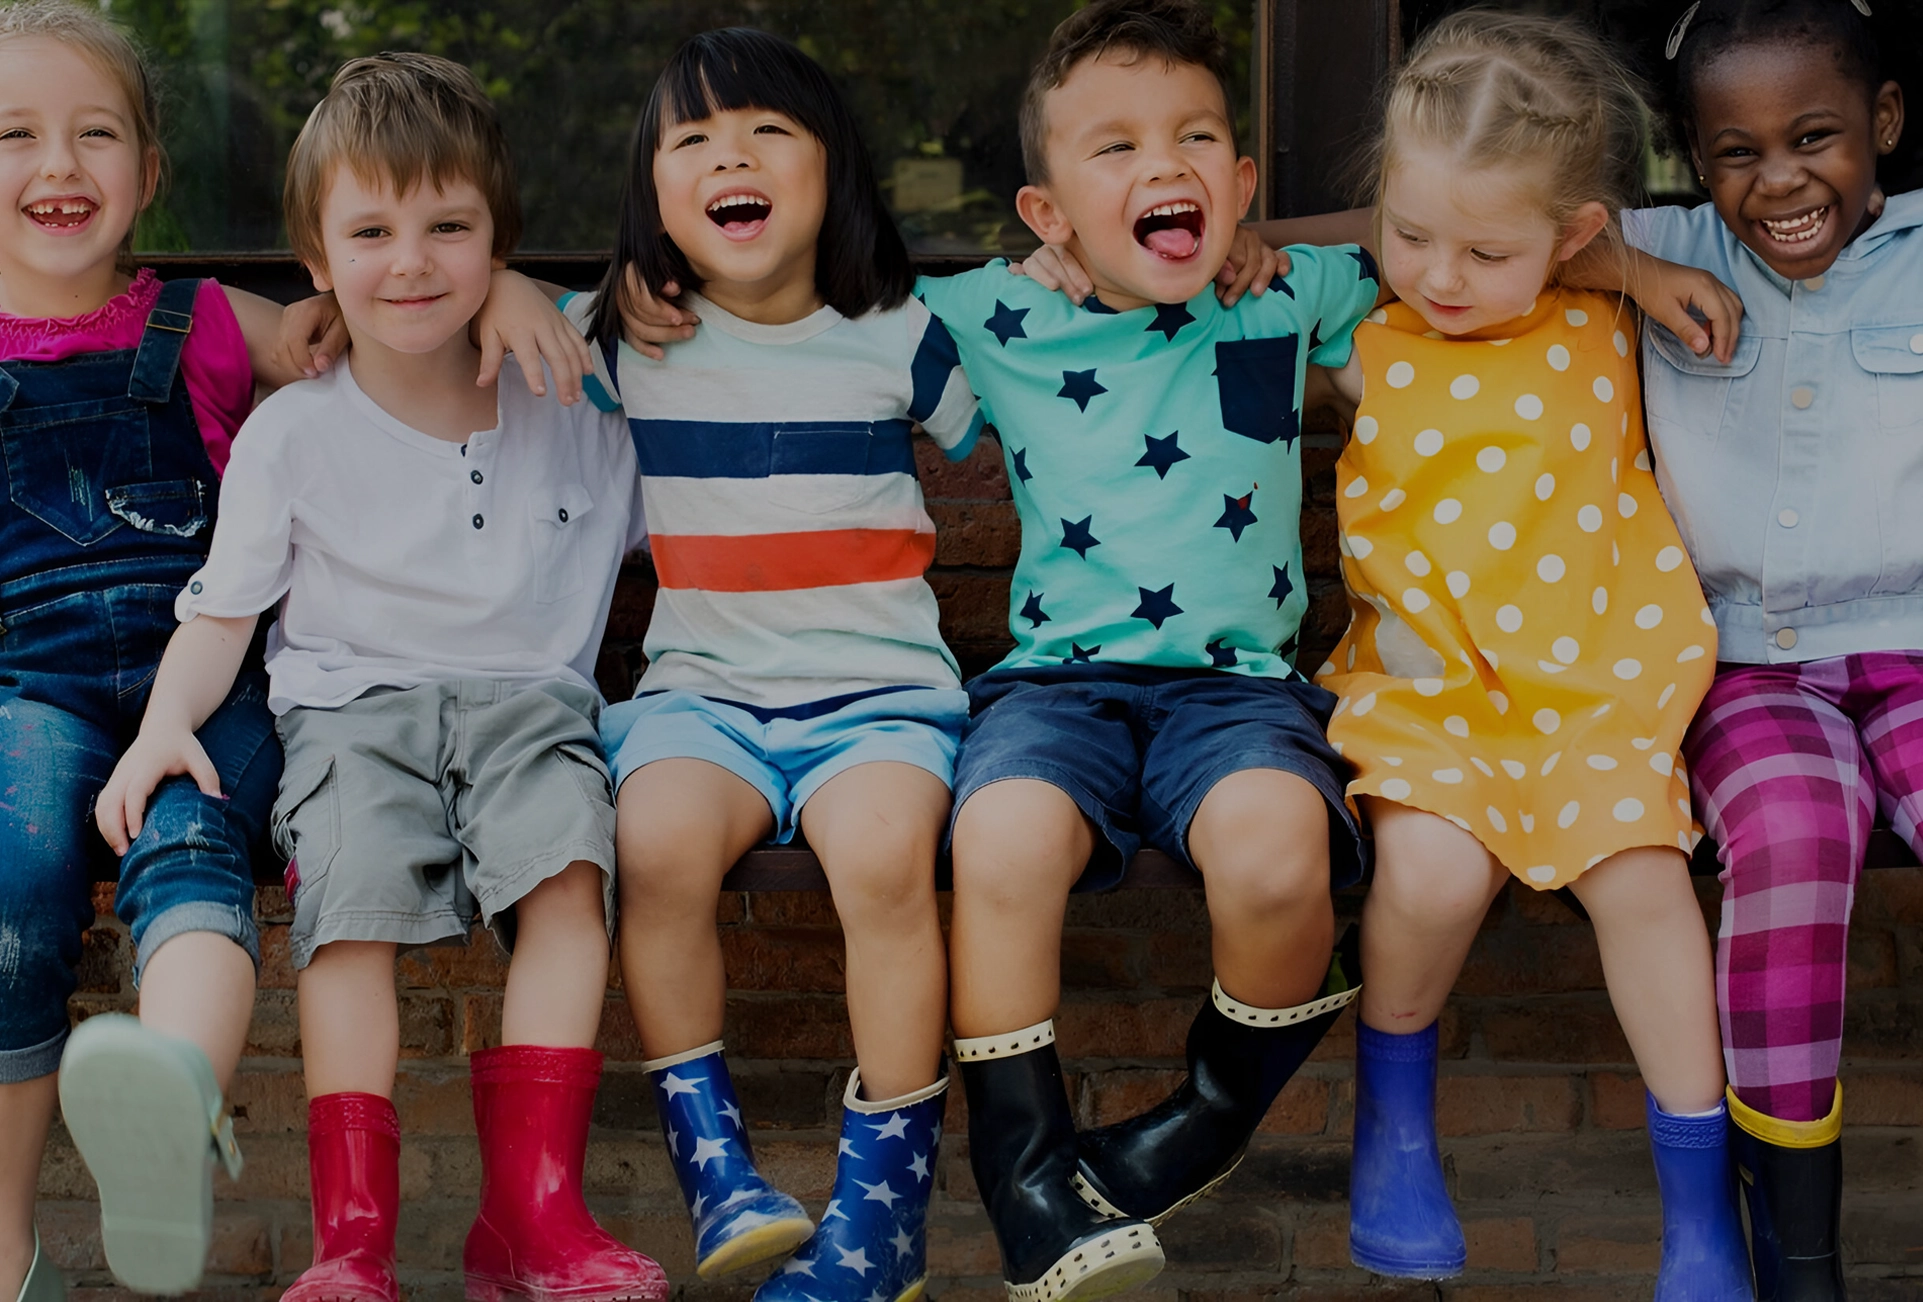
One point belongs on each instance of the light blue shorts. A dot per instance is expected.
(788, 754)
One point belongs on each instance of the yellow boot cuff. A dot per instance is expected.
(1788, 1134)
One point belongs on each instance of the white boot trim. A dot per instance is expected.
(1121, 1259)
(676, 1059)
(1249, 1015)
(852, 1100)
(1009, 1044)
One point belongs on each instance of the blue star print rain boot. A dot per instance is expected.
(870, 1246)
(739, 1218)
(1704, 1259)
(1401, 1222)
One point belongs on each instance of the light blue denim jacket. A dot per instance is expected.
(1796, 472)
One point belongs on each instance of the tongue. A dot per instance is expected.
(1171, 242)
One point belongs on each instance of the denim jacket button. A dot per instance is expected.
(1801, 398)
(1787, 518)
(1786, 638)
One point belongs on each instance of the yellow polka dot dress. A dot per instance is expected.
(1528, 639)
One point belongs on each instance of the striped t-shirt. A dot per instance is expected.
(784, 515)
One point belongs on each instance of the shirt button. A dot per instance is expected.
(474, 475)
(1787, 518)
(1813, 284)
(1801, 398)
(195, 587)
(1786, 638)
(563, 513)
(478, 522)
(1916, 343)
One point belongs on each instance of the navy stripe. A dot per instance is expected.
(936, 358)
(808, 710)
(717, 449)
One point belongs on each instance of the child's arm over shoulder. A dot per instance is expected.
(1698, 308)
(943, 403)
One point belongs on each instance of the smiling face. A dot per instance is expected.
(1472, 247)
(742, 194)
(409, 270)
(1788, 143)
(1144, 185)
(72, 177)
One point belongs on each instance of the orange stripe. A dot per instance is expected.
(781, 562)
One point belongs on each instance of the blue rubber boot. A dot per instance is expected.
(871, 1242)
(739, 1218)
(1401, 1222)
(1704, 1258)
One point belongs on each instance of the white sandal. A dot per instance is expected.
(43, 1282)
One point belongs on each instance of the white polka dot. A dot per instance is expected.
(1575, 316)
(1364, 705)
(1708, 618)
(1528, 822)
(1565, 649)
(1662, 702)
(1482, 766)
(1602, 763)
(1558, 357)
(1396, 789)
(1601, 710)
(1490, 460)
(1547, 721)
(1460, 822)
(1622, 344)
(1351, 655)
(1590, 518)
(1599, 601)
(1682, 807)
(1357, 487)
(1448, 777)
(1377, 317)
(1418, 564)
(1503, 343)
(1579, 436)
(1690, 653)
(1464, 386)
(1615, 554)
(1570, 813)
(1495, 665)
(1496, 820)
(1529, 407)
(1458, 583)
(1428, 686)
(1448, 511)
(1649, 616)
(1502, 535)
(1393, 761)
(1498, 699)
(1628, 670)
(1642, 461)
(1429, 442)
(1545, 486)
(1604, 388)
(1400, 375)
(1549, 765)
(1615, 465)
(1509, 619)
(1550, 568)
(1642, 743)
(1360, 546)
(1415, 600)
(1366, 429)
(1628, 809)
(1669, 558)
(1542, 873)
(1663, 762)
(1328, 667)
(1393, 498)
(1552, 667)
(1683, 843)
(1625, 505)
(1456, 726)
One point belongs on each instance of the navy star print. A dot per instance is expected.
(1282, 284)
(1169, 319)
(1080, 386)
(1006, 324)
(1079, 654)
(1020, 457)
(1032, 610)
(1077, 538)
(1157, 607)
(1283, 585)
(1162, 453)
(1365, 265)
(1236, 515)
(1221, 656)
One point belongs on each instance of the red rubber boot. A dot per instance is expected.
(534, 1240)
(354, 1155)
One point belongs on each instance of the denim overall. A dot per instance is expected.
(107, 507)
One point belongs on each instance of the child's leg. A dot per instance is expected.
(26, 1111)
(558, 977)
(350, 1021)
(199, 986)
(875, 828)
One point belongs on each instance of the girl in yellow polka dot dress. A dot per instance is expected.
(1529, 640)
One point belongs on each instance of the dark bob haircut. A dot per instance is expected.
(860, 261)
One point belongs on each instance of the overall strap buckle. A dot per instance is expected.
(163, 340)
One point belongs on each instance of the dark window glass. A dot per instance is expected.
(935, 84)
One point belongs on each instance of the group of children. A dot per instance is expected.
(1536, 682)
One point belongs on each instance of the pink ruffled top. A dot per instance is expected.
(220, 380)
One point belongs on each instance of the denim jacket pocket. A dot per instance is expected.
(1687, 394)
(1894, 355)
(558, 517)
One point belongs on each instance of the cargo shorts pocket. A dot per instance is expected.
(306, 825)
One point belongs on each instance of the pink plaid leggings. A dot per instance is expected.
(1790, 765)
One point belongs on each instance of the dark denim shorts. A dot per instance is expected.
(1138, 749)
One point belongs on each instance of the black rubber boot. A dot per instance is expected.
(1795, 1197)
(1021, 1144)
(1239, 1058)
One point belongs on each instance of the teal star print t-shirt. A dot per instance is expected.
(1155, 459)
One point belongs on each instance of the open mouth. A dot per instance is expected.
(61, 214)
(1171, 230)
(740, 214)
(1797, 230)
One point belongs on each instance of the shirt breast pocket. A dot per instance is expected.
(834, 463)
(1893, 354)
(560, 539)
(1255, 380)
(1689, 395)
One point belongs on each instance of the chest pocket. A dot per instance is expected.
(66, 462)
(1894, 355)
(560, 565)
(1688, 394)
(840, 460)
(1255, 380)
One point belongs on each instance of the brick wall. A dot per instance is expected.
(1540, 1108)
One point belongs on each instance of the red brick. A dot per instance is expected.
(1891, 895)
(104, 960)
(1531, 961)
(1609, 1245)
(1322, 1239)
(434, 1103)
(1878, 1024)
(1616, 1100)
(974, 608)
(1483, 1104)
(1111, 1096)
(1883, 1098)
(986, 534)
(267, 1102)
(1179, 961)
(633, 603)
(1541, 908)
(962, 1245)
(1101, 960)
(784, 958)
(276, 960)
(1302, 1108)
(241, 1244)
(1501, 1243)
(981, 476)
(789, 1026)
(1151, 1028)
(1872, 959)
(1560, 1029)
(70, 1234)
(479, 963)
(480, 1026)
(792, 909)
